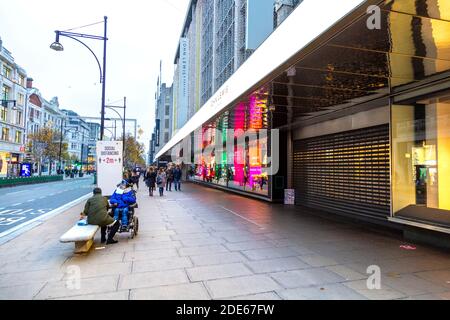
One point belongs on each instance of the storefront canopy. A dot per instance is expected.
(327, 57)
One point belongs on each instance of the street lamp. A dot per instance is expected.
(124, 107)
(57, 46)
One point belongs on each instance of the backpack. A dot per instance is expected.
(158, 180)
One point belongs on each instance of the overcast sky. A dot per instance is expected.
(140, 32)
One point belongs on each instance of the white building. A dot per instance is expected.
(42, 113)
(12, 113)
(77, 135)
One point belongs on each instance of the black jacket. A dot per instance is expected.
(177, 173)
(150, 179)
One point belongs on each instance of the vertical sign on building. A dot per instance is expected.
(158, 132)
(183, 80)
(109, 165)
(152, 144)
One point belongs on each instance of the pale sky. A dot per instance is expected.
(140, 32)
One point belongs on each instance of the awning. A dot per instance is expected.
(306, 23)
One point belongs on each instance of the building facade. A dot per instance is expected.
(42, 113)
(12, 113)
(164, 117)
(77, 134)
(217, 38)
(342, 125)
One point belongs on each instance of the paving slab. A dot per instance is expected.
(275, 265)
(325, 292)
(306, 278)
(68, 288)
(21, 292)
(385, 293)
(152, 279)
(269, 253)
(189, 291)
(162, 264)
(218, 258)
(241, 286)
(217, 272)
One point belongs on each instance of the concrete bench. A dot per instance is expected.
(83, 236)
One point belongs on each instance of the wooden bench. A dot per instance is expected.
(83, 236)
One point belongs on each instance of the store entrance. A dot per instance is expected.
(421, 160)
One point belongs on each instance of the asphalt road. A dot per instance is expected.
(23, 203)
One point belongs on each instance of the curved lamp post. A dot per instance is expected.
(57, 46)
(124, 107)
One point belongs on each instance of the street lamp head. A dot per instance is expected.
(57, 46)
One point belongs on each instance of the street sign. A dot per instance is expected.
(25, 170)
(109, 165)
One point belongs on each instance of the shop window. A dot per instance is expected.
(421, 160)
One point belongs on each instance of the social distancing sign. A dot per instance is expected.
(109, 165)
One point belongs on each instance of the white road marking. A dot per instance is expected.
(15, 192)
(31, 200)
(19, 229)
(17, 204)
(236, 214)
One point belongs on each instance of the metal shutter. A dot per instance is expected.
(346, 172)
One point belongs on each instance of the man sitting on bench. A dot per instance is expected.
(96, 210)
(122, 198)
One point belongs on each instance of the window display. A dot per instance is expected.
(421, 160)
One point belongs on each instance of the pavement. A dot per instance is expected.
(202, 244)
(22, 204)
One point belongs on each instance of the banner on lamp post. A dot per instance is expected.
(158, 132)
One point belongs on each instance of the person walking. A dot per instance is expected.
(177, 173)
(161, 181)
(150, 180)
(135, 178)
(169, 178)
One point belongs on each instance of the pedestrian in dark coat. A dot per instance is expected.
(96, 211)
(177, 173)
(150, 180)
(169, 179)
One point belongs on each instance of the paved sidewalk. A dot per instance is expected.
(207, 244)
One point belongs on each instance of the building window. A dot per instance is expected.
(167, 110)
(5, 93)
(20, 99)
(166, 137)
(74, 146)
(18, 137)
(5, 134)
(22, 80)
(3, 113)
(167, 124)
(19, 117)
(6, 72)
(74, 135)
